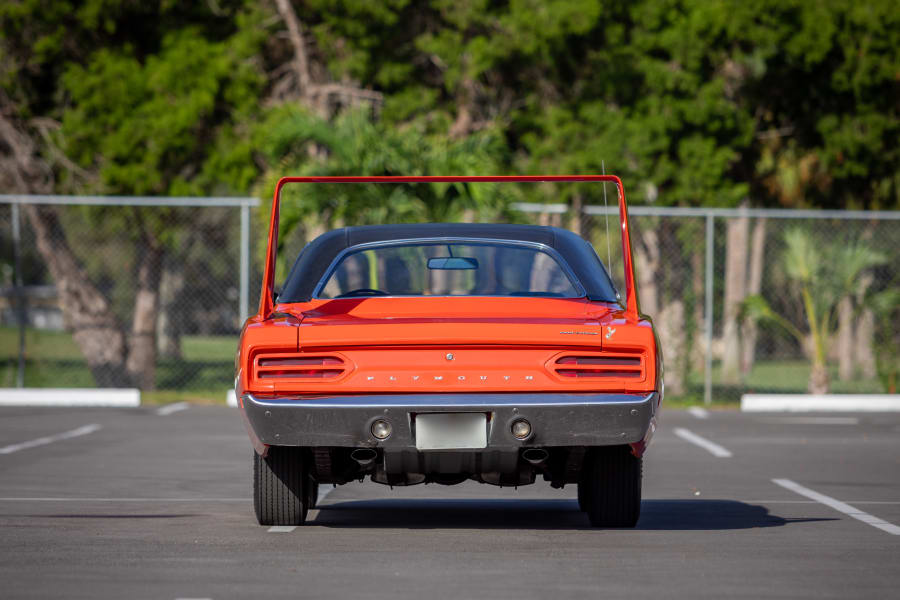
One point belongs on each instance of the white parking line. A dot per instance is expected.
(889, 502)
(700, 413)
(812, 420)
(323, 493)
(172, 408)
(41, 441)
(161, 500)
(838, 506)
(711, 447)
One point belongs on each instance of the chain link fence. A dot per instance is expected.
(143, 292)
(769, 279)
(189, 298)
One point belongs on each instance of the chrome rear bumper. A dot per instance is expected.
(556, 419)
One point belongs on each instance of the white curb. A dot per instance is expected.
(108, 397)
(820, 402)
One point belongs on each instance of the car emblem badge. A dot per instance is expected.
(506, 377)
(449, 356)
(415, 377)
(484, 377)
(609, 331)
(438, 377)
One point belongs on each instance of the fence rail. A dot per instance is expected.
(690, 261)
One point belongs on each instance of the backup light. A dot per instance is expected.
(381, 429)
(521, 429)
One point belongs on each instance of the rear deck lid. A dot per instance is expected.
(450, 321)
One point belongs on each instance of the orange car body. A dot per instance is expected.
(398, 347)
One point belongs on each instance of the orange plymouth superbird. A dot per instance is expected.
(447, 352)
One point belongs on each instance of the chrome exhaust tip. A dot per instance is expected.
(364, 456)
(535, 456)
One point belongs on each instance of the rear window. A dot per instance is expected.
(439, 268)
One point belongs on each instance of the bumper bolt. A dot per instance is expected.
(381, 429)
(521, 429)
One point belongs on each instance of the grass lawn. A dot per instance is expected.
(52, 359)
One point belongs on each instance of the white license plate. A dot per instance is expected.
(451, 431)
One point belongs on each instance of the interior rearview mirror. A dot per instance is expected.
(452, 263)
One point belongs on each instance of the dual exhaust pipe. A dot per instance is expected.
(364, 456)
(536, 456)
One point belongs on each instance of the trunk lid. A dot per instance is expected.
(450, 322)
(446, 345)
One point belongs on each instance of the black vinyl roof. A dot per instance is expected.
(317, 256)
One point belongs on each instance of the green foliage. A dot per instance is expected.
(301, 144)
(787, 102)
(150, 127)
(886, 306)
(821, 274)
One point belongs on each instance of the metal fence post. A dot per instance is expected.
(244, 306)
(19, 293)
(708, 293)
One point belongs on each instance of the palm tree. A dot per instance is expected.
(821, 275)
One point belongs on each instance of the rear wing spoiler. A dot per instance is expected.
(266, 300)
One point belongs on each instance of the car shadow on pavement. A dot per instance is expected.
(667, 515)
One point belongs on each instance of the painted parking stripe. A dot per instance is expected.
(323, 493)
(282, 528)
(711, 447)
(161, 500)
(888, 502)
(172, 408)
(839, 506)
(41, 441)
(811, 420)
(700, 413)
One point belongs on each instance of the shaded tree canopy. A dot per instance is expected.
(785, 102)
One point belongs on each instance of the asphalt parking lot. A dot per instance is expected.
(132, 503)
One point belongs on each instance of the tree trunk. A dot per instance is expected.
(818, 379)
(141, 362)
(735, 292)
(463, 125)
(865, 340)
(86, 311)
(556, 220)
(845, 340)
(754, 285)
(323, 98)
(647, 253)
(168, 329)
(672, 338)
(576, 221)
(698, 287)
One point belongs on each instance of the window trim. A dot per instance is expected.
(538, 246)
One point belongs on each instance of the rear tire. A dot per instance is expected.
(611, 479)
(280, 483)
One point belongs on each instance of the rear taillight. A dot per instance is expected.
(305, 367)
(599, 367)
